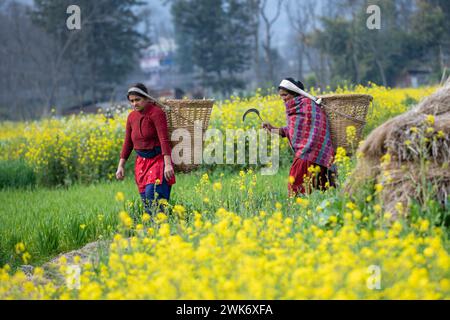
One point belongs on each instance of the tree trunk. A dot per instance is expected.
(255, 8)
(257, 65)
(379, 65)
(355, 64)
(301, 48)
(268, 54)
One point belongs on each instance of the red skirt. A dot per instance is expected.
(304, 181)
(149, 171)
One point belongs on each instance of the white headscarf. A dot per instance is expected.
(140, 91)
(286, 84)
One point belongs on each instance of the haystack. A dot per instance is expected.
(417, 143)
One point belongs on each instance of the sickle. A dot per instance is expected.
(251, 110)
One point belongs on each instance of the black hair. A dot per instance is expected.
(140, 86)
(295, 82)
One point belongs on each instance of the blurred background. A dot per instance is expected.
(209, 48)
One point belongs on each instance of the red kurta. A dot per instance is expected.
(146, 130)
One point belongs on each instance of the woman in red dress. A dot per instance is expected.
(147, 134)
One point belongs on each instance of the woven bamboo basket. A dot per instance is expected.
(185, 114)
(344, 110)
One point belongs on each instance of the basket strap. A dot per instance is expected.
(159, 104)
(362, 122)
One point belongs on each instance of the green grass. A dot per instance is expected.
(15, 174)
(48, 220)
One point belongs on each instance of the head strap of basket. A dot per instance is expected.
(343, 111)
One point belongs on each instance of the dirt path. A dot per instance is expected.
(89, 253)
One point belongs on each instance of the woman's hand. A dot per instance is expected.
(268, 126)
(168, 172)
(120, 174)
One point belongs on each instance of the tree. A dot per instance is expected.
(267, 44)
(183, 36)
(102, 53)
(382, 50)
(304, 22)
(360, 55)
(215, 37)
(26, 57)
(430, 37)
(254, 6)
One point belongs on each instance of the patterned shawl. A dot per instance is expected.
(308, 131)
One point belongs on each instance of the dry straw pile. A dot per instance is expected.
(408, 156)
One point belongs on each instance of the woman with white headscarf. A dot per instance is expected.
(308, 132)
